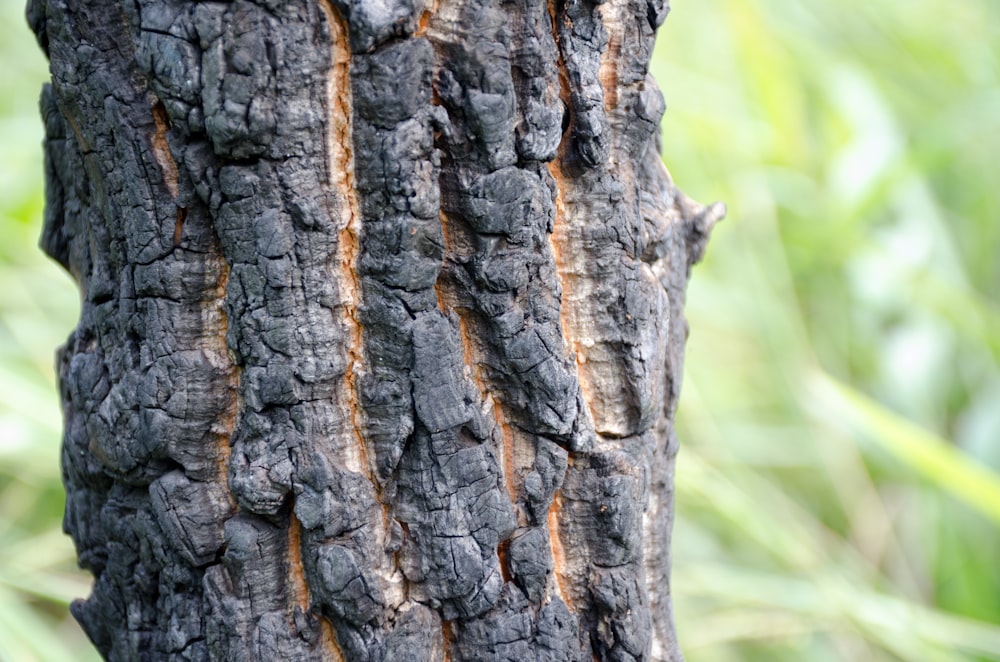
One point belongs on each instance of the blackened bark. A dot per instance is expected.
(382, 326)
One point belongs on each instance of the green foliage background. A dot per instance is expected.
(838, 489)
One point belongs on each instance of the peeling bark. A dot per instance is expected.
(382, 326)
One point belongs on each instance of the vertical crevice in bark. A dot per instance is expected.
(611, 53)
(161, 150)
(340, 147)
(296, 571)
(559, 567)
(573, 337)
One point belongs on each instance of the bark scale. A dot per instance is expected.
(382, 326)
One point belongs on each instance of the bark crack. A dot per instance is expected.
(557, 241)
(611, 56)
(296, 572)
(161, 148)
(425, 19)
(341, 179)
(558, 554)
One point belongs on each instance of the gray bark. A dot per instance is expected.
(382, 329)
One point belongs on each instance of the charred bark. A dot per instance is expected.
(382, 327)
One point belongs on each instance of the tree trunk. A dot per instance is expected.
(382, 326)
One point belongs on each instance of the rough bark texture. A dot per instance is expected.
(382, 326)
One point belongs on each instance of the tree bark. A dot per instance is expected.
(382, 330)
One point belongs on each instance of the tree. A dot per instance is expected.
(382, 327)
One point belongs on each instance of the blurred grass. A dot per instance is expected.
(838, 486)
(839, 478)
(38, 307)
